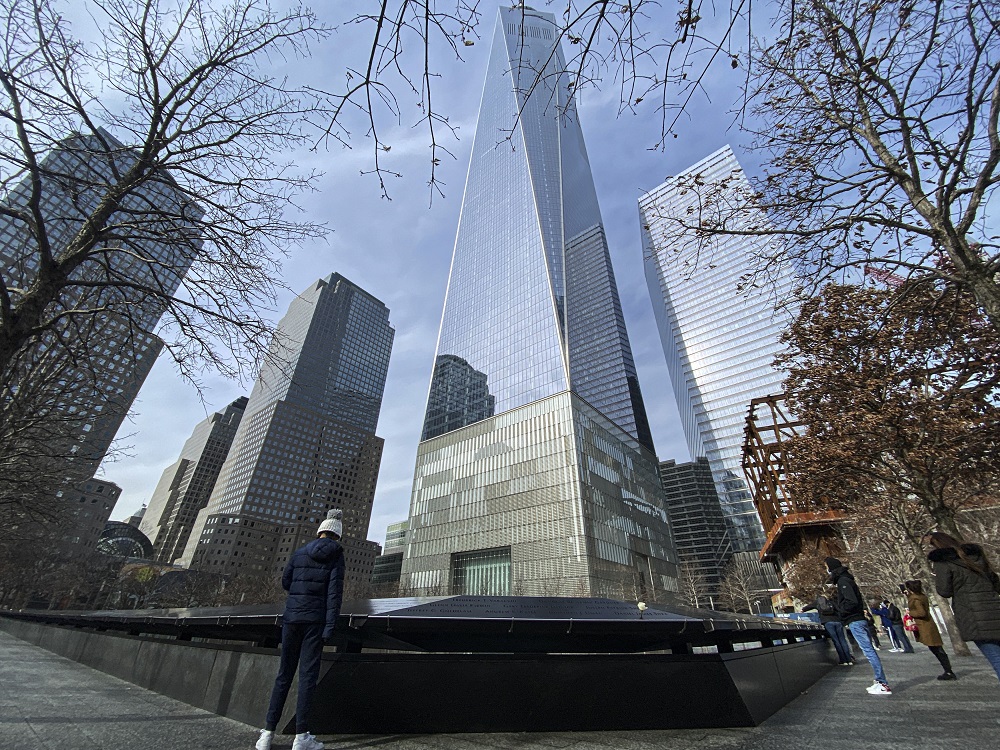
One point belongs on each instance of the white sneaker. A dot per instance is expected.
(895, 650)
(306, 741)
(264, 743)
(879, 688)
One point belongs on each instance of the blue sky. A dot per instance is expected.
(400, 251)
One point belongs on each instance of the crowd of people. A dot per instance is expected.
(962, 573)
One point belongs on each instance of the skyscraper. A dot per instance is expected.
(90, 506)
(700, 530)
(306, 442)
(85, 370)
(719, 341)
(389, 564)
(185, 485)
(535, 473)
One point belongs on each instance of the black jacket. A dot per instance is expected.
(314, 580)
(850, 604)
(827, 610)
(975, 597)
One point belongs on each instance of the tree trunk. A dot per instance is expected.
(975, 276)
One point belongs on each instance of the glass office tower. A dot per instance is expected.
(700, 530)
(535, 473)
(719, 341)
(306, 442)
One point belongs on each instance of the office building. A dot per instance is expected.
(535, 474)
(306, 442)
(719, 341)
(389, 564)
(88, 367)
(185, 485)
(700, 530)
(87, 508)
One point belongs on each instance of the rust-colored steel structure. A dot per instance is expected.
(769, 425)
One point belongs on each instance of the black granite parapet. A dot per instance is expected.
(478, 624)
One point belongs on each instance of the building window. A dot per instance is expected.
(481, 572)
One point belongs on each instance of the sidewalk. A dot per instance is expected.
(48, 702)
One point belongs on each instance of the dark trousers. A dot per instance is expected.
(901, 639)
(942, 657)
(839, 638)
(301, 648)
(873, 634)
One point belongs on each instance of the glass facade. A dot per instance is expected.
(532, 307)
(574, 497)
(535, 474)
(481, 573)
(699, 527)
(719, 342)
(306, 442)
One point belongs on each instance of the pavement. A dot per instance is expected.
(48, 702)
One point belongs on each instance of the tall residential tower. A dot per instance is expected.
(719, 341)
(535, 473)
(306, 442)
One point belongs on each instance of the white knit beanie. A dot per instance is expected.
(334, 523)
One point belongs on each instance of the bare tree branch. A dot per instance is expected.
(879, 124)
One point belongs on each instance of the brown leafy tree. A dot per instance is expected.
(804, 576)
(877, 122)
(898, 390)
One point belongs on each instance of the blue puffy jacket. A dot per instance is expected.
(314, 580)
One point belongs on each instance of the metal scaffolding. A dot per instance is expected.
(769, 425)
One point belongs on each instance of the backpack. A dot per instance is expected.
(825, 606)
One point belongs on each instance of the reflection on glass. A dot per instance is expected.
(719, 339)
(459, 396)
(532, 304)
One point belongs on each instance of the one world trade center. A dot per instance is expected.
(535, 473)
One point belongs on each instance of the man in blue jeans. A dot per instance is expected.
(851, 608)
(314, 580)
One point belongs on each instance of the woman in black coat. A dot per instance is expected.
(963, 574)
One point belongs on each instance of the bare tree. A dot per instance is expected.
(145, 173)
(878, 122)
(250, 588)
(740, 587)
(203, 129)
(694, 585)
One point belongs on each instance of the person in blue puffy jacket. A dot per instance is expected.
(314, 580)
